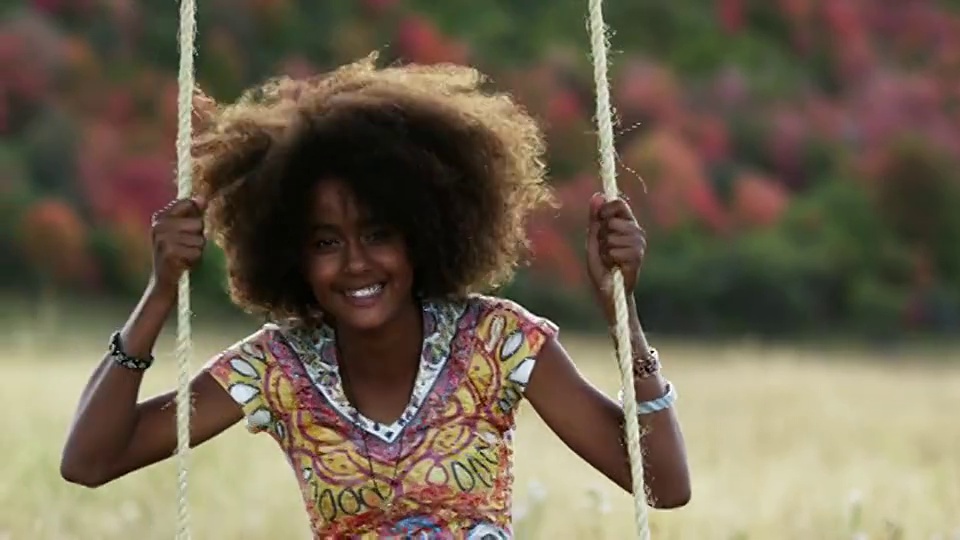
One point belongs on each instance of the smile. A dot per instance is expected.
(366, 292)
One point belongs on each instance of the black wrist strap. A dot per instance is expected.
(117, 354)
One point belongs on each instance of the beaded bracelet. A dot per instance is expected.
(115, 352)
(651, 406)
(646, 363)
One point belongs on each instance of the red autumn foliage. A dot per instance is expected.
(894, 66)
(563, 109)
(297, 67)
(649, 92)
(678, 187)
(758, 201)
(419, 41)
(731, 14)
(789, 133)
(553, 254)
(710, 136)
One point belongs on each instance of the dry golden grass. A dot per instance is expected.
(779, 442)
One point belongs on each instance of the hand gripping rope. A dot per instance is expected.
(598, 44)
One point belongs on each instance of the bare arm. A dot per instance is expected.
(112, 434)
(590, 424)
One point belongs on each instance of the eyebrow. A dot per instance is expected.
(364, 223)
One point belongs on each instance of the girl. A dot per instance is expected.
(363, 214)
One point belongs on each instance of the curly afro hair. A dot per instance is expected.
(454, 168)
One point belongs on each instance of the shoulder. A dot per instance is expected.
(495, 308)
(242, 370)
(509, 330)
(250, 354)
(261, 341)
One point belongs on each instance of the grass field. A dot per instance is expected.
(783, 445)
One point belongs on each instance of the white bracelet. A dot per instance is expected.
(654, 405)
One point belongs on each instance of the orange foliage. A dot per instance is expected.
(354, 39)
(133, 243)
(270, 10)
(78, 55)
(54, 240)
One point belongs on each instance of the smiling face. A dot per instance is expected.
(359, 270)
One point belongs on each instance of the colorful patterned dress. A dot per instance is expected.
(443, 469)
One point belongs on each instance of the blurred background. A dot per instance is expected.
(800, 165)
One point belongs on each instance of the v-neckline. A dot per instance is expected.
(318, 352)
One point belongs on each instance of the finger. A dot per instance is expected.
(625, 241)
(597, 201)
(617, 208)
(608, 260)
(593, 223)
(179, 225)
(185, 208)
(186, 255)
(192, 254)
(624, 257)
(200, 203)
(191, 240)
(162, 212)
(619, 225)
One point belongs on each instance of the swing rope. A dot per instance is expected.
(184, 343)
(184, 178)
(608, 175)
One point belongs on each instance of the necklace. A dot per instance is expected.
(386, 499)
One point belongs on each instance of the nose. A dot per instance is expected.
(357, 259)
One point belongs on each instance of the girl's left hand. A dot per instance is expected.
(614, 240)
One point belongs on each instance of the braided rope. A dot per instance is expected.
(185, 79)
(599, 45)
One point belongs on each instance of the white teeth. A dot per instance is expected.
(366, 292)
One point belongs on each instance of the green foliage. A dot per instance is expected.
(566, 308)
(753, 283)
(733, 97)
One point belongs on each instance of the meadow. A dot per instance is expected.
(784, 443)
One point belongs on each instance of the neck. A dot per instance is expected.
(387, 352)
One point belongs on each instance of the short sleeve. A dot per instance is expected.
(241, 370)
(514, 336)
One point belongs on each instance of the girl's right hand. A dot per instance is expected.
(178, 239)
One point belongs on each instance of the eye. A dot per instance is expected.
(326, 244)
(377, 234)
